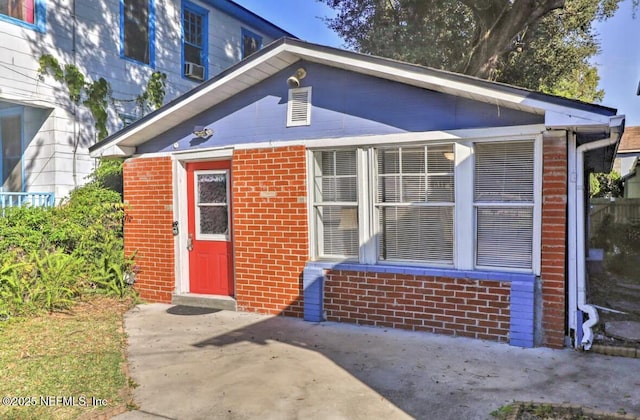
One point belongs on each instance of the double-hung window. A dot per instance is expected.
(504, 204)
(466, 205)
(28, 13)
(335, 203)
(415, 204)
(138, 31)
(194, 41)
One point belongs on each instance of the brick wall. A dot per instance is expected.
(460, 307)
(270, 229)
(554, 225)
(148, 199)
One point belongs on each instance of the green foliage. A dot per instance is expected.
(108, 174)
(97, 95)
(56, 280)
(605, 185)
(535, 45)
(54, 254)
(153, 95)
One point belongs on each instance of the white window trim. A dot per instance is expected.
(207, 236)
(464, 249)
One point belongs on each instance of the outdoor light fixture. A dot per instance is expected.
(294, 81)
(202, 132)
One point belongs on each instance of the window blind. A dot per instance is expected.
(504, 198)
(415, 201)
(336, 203)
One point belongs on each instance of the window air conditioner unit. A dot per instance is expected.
(193, 70)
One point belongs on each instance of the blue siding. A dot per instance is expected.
(522, 324)
(344, 104)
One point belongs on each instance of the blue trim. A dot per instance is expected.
(204, 13)
(151, 33)
(313, 287)
(522, 297)
(249, 18)
(423, 271)
(39, 18)
(245, 32)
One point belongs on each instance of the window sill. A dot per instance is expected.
(39, 27)
(423, 271)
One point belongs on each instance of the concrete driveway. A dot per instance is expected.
(229, 365)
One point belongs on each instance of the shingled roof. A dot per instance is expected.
(630, 142)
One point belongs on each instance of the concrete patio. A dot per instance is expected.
(197, 364)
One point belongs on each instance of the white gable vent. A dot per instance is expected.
(299, 107)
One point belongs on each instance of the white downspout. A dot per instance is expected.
(587, 338)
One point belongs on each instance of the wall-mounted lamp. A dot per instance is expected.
(294, 81)
(202, 131)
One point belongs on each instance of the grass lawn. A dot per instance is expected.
(65, 365)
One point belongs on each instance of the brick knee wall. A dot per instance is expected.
(458, 307)
(148, 200)
(270, 229)
(554, 226)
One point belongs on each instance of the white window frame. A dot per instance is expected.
(196, 194)
(464, 209)
(317, 227)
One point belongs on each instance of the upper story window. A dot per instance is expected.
(194, 41)
(251, 42)
(138, 31)
(29, 13)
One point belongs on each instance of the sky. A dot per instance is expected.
(618, 63)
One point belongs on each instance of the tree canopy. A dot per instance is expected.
(536, 44)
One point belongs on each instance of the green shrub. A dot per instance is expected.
(54, 254)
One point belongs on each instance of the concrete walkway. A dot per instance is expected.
(229, 365)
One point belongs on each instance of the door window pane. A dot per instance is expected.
(212, 188)
(212, 205)
(214, 220)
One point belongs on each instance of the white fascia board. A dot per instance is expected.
(572, 118)
(113, 151)
(204, 154)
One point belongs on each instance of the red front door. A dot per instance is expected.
(209, 243)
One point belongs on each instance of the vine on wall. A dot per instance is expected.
(97, 95)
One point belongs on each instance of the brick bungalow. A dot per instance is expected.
(314, 182)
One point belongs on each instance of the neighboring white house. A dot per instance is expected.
(43, 137)
(628, 155)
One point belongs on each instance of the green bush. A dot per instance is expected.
(55, 254)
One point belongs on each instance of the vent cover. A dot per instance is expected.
(299, 107)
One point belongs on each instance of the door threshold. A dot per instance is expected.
(205, 301)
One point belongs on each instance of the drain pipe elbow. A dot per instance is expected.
(590, 310)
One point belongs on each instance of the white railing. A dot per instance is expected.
(32, 199)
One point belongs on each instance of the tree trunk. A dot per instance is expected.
(499, 22)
